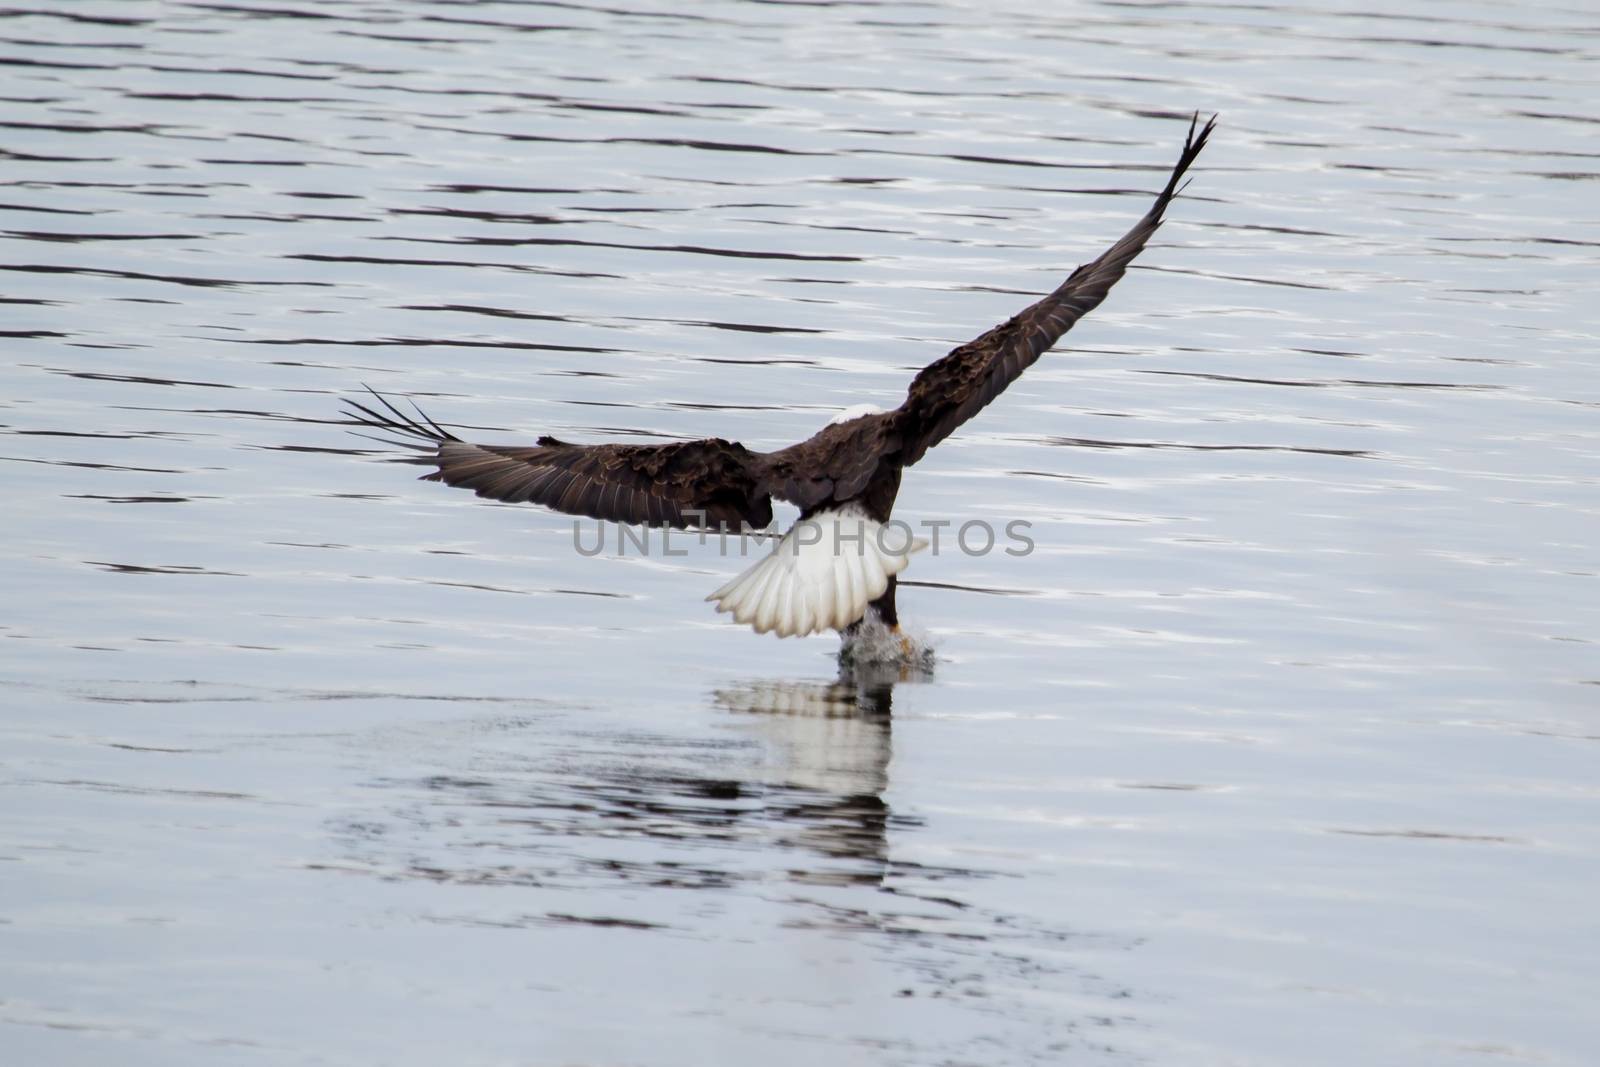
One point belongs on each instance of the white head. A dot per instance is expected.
(855, 412)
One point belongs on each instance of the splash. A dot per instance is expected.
(872, 643)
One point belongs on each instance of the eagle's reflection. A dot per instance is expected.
(761, 814)
(791, 780)
(828, 749)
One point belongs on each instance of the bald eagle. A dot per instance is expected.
(840, 559)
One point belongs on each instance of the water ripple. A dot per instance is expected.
(1304, 643)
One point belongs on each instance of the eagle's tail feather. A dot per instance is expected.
(821, 575)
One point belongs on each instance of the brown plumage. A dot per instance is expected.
(721, 484)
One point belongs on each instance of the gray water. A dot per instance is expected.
(1280, 748)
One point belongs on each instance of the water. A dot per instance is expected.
(1279, 748)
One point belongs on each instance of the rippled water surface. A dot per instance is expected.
(1279, 748)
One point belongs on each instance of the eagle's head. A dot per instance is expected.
(855, 411)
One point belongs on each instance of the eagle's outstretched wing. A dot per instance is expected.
(951, 390)
(721, 484)
(711, 482)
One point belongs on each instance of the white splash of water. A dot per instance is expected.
(874, 642)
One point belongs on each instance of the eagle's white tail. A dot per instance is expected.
(821, 575)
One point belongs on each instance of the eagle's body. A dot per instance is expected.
(840, 557)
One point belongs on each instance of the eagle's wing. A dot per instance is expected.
(951, 390)
(834, 464)
(711, 482)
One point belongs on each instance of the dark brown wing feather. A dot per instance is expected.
(951, 390)
(711, 482)
(835, 464)
(716, 483)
